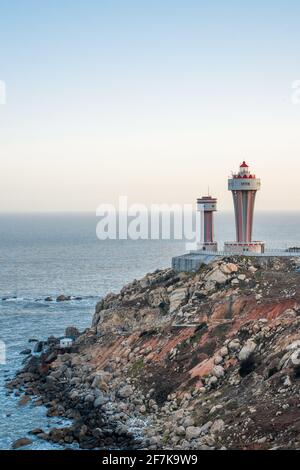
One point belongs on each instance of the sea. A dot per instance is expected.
(46, 255)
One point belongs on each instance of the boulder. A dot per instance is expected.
(101, 380)
(212, 381)
(218, 360)
(158, 298)
(205, 428)
(216, 275)
(252, 269)
(50, 382)
(218, 371)
(224, 351)
(180, 431)
(234, 345)
(177, 298)
(125, 392)
(71, 332)
(247, 350)
(294, 345)
(188, 421)
(229, 268)
(216, 408)
(217, 426)
(192, 432)
(295, 358)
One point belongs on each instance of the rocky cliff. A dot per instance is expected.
(205, 360)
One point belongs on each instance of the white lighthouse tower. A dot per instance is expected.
(244, 186)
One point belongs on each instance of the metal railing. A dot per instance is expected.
(271, 252)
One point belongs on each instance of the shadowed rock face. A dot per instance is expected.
(211, 359)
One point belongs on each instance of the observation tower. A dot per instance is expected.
(206, 206)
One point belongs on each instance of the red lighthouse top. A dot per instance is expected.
(244, 172)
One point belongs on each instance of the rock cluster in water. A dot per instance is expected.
(205, 360)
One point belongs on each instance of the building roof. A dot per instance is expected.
(244, 165)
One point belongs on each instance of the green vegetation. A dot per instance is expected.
(137, 367)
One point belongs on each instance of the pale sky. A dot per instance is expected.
(154, 100)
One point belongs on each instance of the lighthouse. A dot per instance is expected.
(206, 206)
(244, 186)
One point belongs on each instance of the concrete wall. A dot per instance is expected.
(191, 262)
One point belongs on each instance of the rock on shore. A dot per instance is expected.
(205, 360)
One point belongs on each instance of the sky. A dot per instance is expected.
(153, 100)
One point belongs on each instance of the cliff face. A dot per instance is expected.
(207, 360)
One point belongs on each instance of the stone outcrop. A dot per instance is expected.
(206, 360)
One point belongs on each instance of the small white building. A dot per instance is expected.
(65, 343)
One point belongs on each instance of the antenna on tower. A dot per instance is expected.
(208, 190)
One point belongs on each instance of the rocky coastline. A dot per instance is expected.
(204, 360)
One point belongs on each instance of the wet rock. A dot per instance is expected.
(36, 431)
(38, 347)
(24, 441)
(26, 352)
(51, 381)
(24, 400)
(63, 298)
